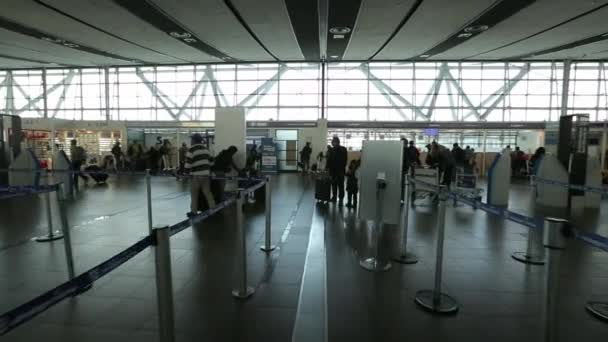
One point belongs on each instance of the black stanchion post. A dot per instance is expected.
(65, 227)
(533, 254)
(404, 256)
(164, 283)
(374, 263)
(554, 240)
(268, 247)
(433, 300)
(52, 234)
(242, 290)
(149, 199)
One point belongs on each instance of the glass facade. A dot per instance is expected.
(397, 91)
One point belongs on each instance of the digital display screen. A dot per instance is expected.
(431, 132)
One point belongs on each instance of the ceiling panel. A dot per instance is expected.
(113, 18)
(539, 16)
(270, 22)
(47, 50)
(590, 25)
(370, 33)
(212, 21)
(433, 22)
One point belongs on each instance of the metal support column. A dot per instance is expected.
(45, 103)
(149, 199)
(268, 247)
(242, 291)
(404, 256)
(433, 300)
(65, 227)
(323, 114)
(554, 240)
(164, 283)
(52, 234)
(533, 254)
(106, 72)
(566, 87)
(374, 263)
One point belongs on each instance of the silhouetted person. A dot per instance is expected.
(336, 165)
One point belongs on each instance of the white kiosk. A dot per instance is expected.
(548, 195)
(230, 130)
(380, 191)
(18, 175)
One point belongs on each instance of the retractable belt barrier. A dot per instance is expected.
(585, 188)
(132, 173)
(593, 239)
(7, 192)
(25, 312)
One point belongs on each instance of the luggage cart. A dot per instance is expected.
(424, 195)
(466, 185)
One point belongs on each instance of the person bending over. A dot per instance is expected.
(198, 164)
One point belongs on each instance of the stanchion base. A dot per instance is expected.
(48, 237)
(374, 265)
(406, 259)
(248, 293)
(446, 304)
(599, 309)
(529, 259)
(268, 249)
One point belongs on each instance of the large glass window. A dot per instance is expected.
(383, 91)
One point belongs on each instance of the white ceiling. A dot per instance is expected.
(105, 26)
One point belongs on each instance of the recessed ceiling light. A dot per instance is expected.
(334, 56)
(465, 35)
(338, 36)
(476, 28)
(180, 34)
(339, 30)
(425, 56)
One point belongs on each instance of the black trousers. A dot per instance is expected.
(337, 186)
(76, 165)
(448, 175)
(352, 198)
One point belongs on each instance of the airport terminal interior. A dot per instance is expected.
(288, 170)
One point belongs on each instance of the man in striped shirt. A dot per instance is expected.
(198, 164)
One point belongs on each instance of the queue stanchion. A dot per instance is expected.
(164, 283)
(404, 256)
(149, 199)
(374, 264)
(268, 247)
(52, 234)
(433, 300)
(533, 254)
(242, 290)
(65, 227)
(554, 240)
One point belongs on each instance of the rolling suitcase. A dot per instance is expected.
(323, 188)
(96, 173)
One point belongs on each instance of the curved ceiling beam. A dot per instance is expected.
(35, 33)
(405, 19)
(57, 10)
(158, 18)
(246, 26)
(498, 12)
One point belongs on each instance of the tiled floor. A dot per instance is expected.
(312, 282)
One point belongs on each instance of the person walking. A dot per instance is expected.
(305, 157)
(79, 157)
(336, 165)
(222, 165)
(446, 163)
(198, 164)
(183, 151)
